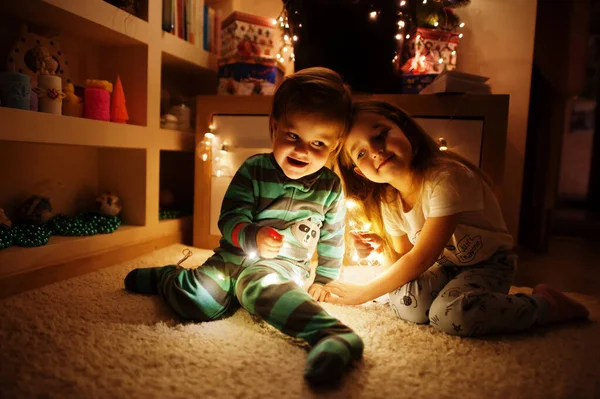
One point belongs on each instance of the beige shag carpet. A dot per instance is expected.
(88, 338)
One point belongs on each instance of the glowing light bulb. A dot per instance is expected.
(373, 14)
(287, 25)
(453, 52)
(269, 279)
(209, 135)
(295, 38)
(462, 25)
(418, 37)
(286, 38)
(436, 23)
(351, 204)
(285, 49)
(401, 24)
(252, 255)
(280, 19)
(460, 36)
(367, 226)
(440, 61)
(274, 22)
(219, 173)
(204, 157)
(398, 36)
(408, 36)
(402, 3)
(300, 25)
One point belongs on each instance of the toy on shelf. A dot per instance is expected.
(50, 94)
(15, 90)
(108, 204)
(166, 199)
(97, 99)
(118, 108)
(4, 220)
(72, 104)
(34, 54)
(35, 209)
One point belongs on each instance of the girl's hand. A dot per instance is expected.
(268, 242)
(366, 242)
(317, 292)
(343, 293)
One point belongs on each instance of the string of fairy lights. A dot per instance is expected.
(437, 17)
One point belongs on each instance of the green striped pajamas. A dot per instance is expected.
(309, 213)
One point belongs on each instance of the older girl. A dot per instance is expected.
(438, 215)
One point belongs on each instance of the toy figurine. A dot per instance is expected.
(108, 204)
(36, 209)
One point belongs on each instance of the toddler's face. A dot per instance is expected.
(379, 148)
(303, 144)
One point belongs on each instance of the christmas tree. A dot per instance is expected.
(118, 109)
(436, 14)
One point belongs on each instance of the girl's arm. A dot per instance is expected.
(432, 240)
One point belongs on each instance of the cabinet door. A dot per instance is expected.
(464, 137)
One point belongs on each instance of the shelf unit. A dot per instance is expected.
(73, 159)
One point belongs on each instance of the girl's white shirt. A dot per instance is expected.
(481, 230)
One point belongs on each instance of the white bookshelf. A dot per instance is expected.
(101, 41)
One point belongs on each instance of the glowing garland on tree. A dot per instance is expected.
(411, 14)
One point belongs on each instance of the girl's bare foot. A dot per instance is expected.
(561, 308)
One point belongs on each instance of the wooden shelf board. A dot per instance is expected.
(176, 140)
(185, 55)
(17, 260)
(39, 127)
(92, 19)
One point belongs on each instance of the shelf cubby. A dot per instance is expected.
(177, 178)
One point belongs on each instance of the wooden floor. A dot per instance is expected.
(571, 265)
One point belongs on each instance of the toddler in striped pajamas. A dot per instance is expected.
(279, 208)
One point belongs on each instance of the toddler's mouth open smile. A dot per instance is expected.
(296, 163)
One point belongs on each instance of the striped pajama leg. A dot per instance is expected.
(201, 294)
(269, 290)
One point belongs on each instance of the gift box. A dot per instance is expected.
(414, 83)
(426, 54)
(429, 51)
(249, 35)
(249, 75)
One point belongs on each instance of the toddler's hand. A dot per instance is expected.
(366, 242)
(268, 242)
(317, 292)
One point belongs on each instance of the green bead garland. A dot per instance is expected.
(83, 224)
(30, 235)
(6, 237)
(168, 213)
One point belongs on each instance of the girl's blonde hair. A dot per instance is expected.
(427, 162)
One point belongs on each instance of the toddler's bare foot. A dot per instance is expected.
(561, 308)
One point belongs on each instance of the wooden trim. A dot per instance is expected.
(491, 109)
(30, 279)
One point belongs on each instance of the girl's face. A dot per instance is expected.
(378, 148)
(302, 146)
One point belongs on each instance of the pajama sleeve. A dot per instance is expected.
(330, 248)
(236, 220)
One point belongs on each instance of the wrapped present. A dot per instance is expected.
(414, 83)
(249, 75)
(249, 35)
(429, 51)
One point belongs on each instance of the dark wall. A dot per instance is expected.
(338, 34)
